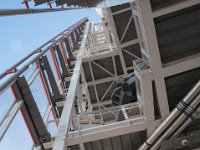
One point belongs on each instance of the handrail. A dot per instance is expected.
(12, 12)
(40, 52)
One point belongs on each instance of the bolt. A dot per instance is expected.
(184, 142)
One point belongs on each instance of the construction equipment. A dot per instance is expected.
(125, 92)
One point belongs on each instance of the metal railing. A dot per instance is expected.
(33, 70)
(131, 113)
(140, 64)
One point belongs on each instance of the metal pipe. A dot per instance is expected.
(186, 123)
(39, 48)
(17, 64)
(173, 115)
(190, 109)
(12, 12)
(7, 83)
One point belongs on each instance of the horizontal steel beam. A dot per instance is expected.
(13, 12)
(59, 143)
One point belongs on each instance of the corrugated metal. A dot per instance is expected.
(119, 7)
(87, 71)
(134, 49)
(119, 66)
(178, 85)
(99, 73)
(158, 4)
(123, 142)
(178, 34)
(92, 94)
(121, 20)
(106, 63)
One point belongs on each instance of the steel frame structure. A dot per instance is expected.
(49, 84)
(102, 42)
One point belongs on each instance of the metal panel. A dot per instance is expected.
(178, 85)
(92, 94)
(119, 7)
(39, 2)
(158, 4)
(33, 110)
(45, 66)
(119, 66)
(121, 21)
(98, 72)
(27, 116)
(188, 142)
(65, 72)
(87, 71)
(179, 33)
(106, 63)
(69, 50)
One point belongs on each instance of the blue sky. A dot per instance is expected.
(20, 35)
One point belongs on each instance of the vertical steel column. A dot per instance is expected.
(78, 38)
(59, 143)
(80, 31)
(45, 66)
(151, 44)
(63, 51)
(75, 46)
(69, 51)
(47, 92)
(65, 72)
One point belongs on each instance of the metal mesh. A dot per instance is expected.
(109, 116)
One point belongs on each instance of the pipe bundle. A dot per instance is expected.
(181, 116)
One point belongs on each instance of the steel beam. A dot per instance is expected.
(13, 12)
(65, 72)
(33, 110)
(10, 115)
(26, 117)
(151, 44)
(69, 50)
(46, 66)
(112, 24)
(46, 47)
(176, 7)
(60, 141)
(110, 131)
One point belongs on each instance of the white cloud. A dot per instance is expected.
(15, 45)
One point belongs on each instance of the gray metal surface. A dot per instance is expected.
(178, 34)
(159, 4)
(33, 110)
(179, 85)
(192, 141)
(13, 12)
(123, 142)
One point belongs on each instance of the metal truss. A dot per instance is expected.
(49, 65)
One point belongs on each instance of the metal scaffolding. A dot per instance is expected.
(80, 68)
